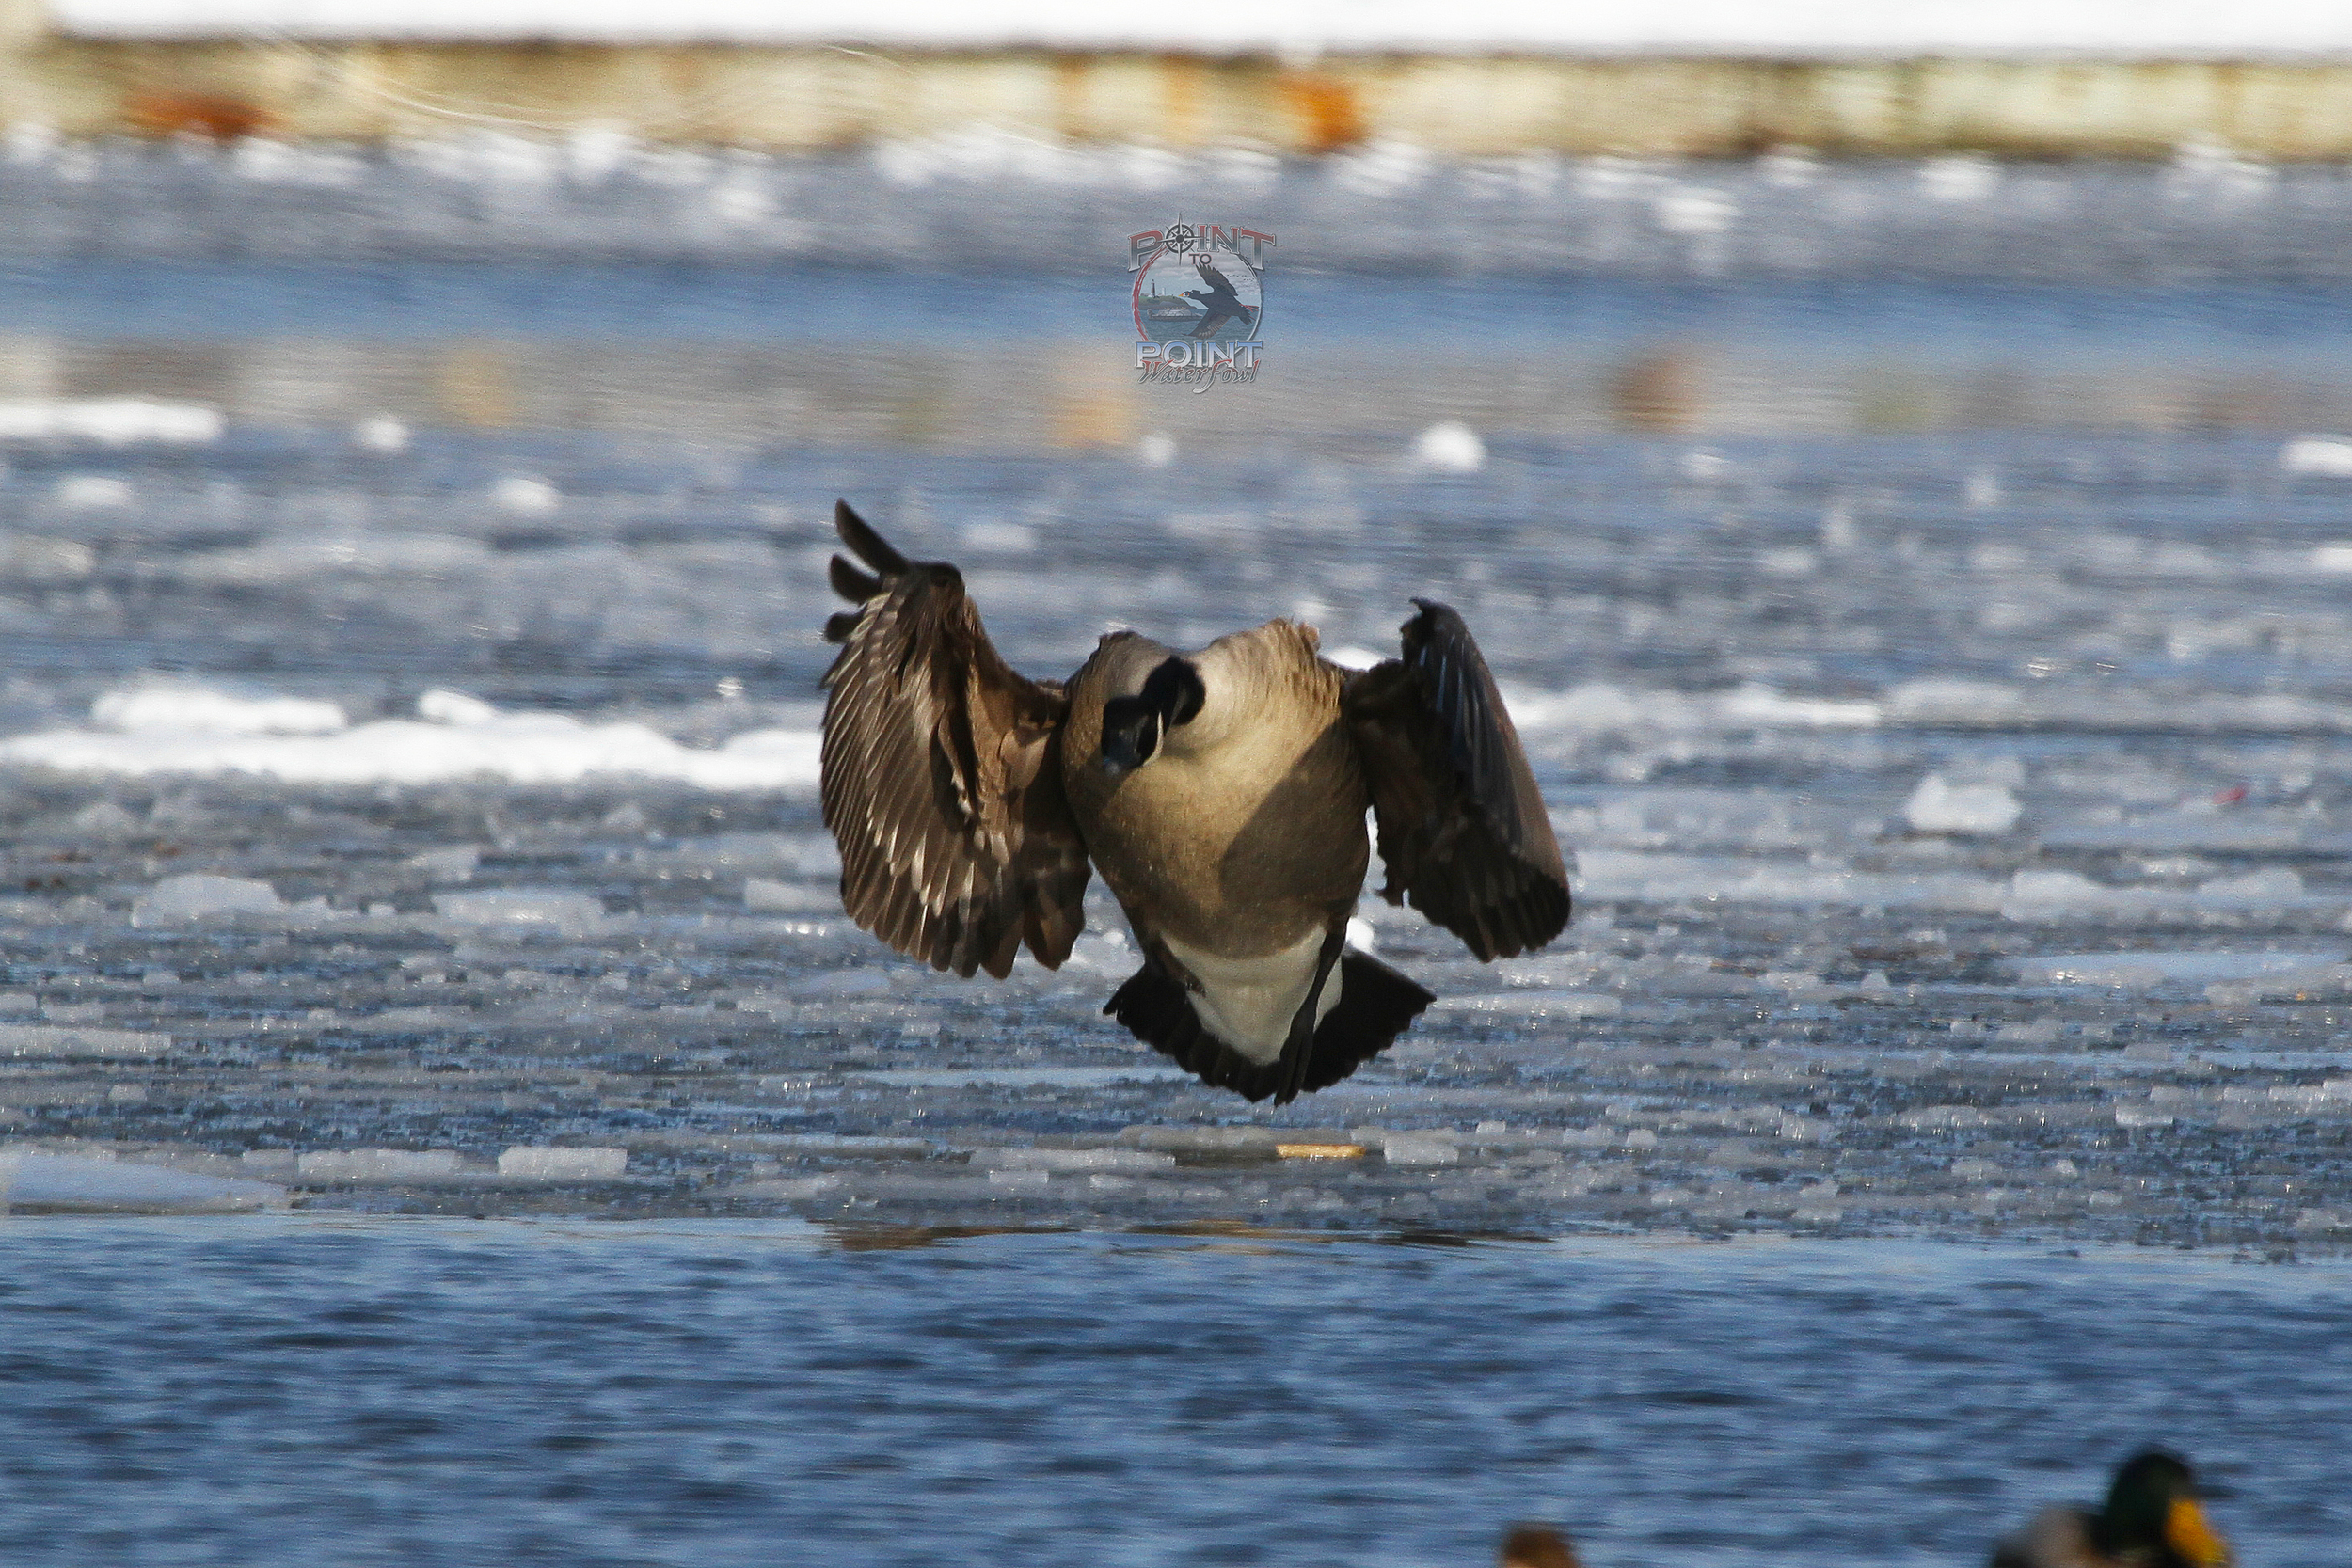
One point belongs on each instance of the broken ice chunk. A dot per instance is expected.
(1941, 806)
(563, 1164)
(201, 895)
(54, 1039)
(368, 1166)
(1534, 1004)
(544, 907)
(1409, 1148)
(455, 864)
(1070, 1159)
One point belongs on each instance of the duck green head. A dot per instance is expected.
(2152, 1516)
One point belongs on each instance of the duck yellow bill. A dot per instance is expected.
(2186, 1532)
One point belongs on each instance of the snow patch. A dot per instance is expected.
(2328, 456)
(1941, 806)
(463, 738)
(192, 707)
(440, 706)
(1449, 447)
(108, 421)
(382, 433)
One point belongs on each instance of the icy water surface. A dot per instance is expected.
(1958, 825)
(1922, 590)
(266, 1392)
(1943, 678)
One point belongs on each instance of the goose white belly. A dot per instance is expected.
(1248, 1002)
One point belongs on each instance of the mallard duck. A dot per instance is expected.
(1535, 1546)
(1221, 793)
(2152, 1519)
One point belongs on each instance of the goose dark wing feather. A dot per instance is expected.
(1462, 827)
(942, 773)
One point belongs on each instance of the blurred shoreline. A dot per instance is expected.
(2085, 81)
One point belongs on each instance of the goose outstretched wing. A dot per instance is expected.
(943, 772)
(1462, 827)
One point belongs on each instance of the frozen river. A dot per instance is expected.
(1934, 644)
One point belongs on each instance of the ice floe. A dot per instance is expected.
(199, 895)
(193, 707)
(1598, 706)
(78, 1040)
(45, 1183)
(469, 740)
(563, 1164)
(2147, 969)
(555, 909)
(2328, 455)
(1941, 805)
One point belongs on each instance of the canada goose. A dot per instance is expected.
(2152, 1519)
(1221, 793)
(1535, 1546)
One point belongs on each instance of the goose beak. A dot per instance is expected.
(2186, 1532)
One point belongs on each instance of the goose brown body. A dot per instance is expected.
(1246, 832)
(1221, 793)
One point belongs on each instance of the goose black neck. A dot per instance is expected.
(1132, 726)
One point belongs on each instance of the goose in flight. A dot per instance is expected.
(1220, 793)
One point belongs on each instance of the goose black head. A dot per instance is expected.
(1132, 726)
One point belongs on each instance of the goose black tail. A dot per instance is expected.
(1376, 1004)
